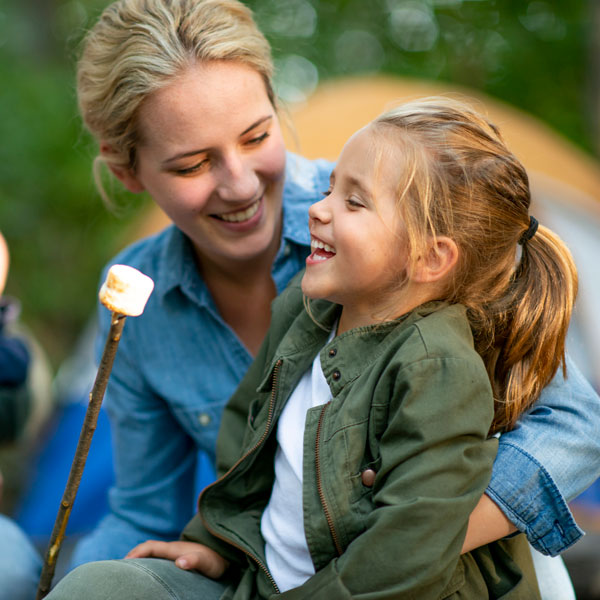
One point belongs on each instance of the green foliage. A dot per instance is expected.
(529, 53)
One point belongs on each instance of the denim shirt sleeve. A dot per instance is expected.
(550, 457)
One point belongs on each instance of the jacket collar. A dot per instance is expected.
(346, 356)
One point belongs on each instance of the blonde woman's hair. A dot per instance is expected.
(460, 180)
(139, 46)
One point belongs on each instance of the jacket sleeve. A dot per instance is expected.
(555, 450)
(435, 464)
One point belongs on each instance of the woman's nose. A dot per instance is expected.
(238, 180)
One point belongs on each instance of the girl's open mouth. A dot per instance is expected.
(320, 250)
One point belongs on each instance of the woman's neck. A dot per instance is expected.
(243, 292)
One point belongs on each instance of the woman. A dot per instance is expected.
(179, 96)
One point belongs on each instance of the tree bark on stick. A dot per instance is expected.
(81, 453)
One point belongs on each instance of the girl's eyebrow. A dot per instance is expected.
(202, 150)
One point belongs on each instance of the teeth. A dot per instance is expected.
(319, 245)
(243, 215)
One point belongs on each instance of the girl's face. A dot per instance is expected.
(358, 256)
(212, 157)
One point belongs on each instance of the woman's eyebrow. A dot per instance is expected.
(256, 124)
(202, 150)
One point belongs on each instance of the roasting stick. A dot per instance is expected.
(125, 293)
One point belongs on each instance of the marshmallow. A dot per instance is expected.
(126, 290)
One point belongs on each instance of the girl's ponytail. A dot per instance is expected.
(472, 189)
(532, 324)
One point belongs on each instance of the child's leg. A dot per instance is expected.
(135, 579)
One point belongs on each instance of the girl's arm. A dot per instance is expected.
(551, 456)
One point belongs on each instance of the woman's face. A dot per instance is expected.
(212, 157)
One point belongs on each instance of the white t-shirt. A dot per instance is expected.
(282, 523)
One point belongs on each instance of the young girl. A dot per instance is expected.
(437, 310)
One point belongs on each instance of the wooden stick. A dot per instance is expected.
(81, 453)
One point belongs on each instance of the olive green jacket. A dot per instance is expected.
(411, 402)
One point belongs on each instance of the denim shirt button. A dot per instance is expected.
(204, 419)
(287, 250)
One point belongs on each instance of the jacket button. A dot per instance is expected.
(332, 352)
(336, 375)
(368, 477)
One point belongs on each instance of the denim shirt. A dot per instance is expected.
(179, 362)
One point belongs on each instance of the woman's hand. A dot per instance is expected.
(187, 556)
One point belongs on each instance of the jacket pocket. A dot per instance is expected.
(457, 581)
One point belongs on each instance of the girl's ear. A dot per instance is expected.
(441, 258)
(126, 176)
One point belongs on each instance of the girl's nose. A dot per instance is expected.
(320, 211)
(238, 180)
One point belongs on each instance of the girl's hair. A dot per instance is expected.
(139, 46)
(460, 180)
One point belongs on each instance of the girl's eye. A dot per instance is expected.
(326, 192)
(257, 140)
(353, 203)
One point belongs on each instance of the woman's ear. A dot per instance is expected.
(126, 176)
(441, 258)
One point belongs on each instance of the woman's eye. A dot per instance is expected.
(326, 192)
(257, 140)
(192, 169)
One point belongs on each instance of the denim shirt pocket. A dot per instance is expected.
(201, 424)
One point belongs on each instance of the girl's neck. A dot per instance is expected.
(361, 316)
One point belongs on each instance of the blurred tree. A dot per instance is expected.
(540, 55)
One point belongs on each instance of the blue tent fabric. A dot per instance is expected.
(39, 506)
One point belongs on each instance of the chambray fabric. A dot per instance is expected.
(550, 457)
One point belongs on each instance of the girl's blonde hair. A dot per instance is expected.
(460, 180)
(139, 46)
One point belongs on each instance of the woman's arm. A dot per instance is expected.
(551, 456)
(154, 460)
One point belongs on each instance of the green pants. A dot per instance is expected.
(135, 579)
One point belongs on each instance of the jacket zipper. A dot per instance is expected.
(332, 530)
(262, 566)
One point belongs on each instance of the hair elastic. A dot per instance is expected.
(533, 227)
